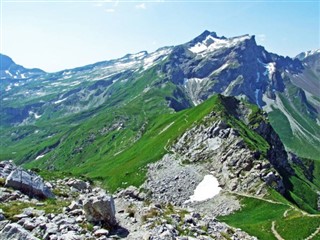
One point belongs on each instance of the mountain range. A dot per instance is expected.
(224, 105)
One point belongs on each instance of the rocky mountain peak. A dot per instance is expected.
(10, 70)
(310, 53)
(203, 36)
(5, 62)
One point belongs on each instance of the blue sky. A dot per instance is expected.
(57, 35)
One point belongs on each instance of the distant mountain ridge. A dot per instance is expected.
(69, 111)
(10, 70)
(166, 120)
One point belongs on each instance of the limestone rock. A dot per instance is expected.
(14, 231)
(6, 167)
(78, 184)
(132, 192)
(28, 183)
(100, 208)
(101, 232)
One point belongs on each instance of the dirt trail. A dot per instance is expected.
(315, 233)
(274, 231)
(259, 198)
(285, 214)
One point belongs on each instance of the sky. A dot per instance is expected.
(54, 34)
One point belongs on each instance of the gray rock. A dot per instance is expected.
(78, 184)
(31, 212)
(14, 231)
(3, 224)
(71, 235)
(20, 216)
(6, 167)
(100, 209)
(51, 228)
(132, 192)
(2, 217)
(76, 212)
(29, 225)
(101, 232)
(29, 183)
(73, 206)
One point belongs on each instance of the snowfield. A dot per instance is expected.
(207, 188)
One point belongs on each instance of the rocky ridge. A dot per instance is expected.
(81, 211)
(9, 70)
(216, 147)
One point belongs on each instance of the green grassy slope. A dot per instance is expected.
(118, 157)
(256, 217)
(304, 142)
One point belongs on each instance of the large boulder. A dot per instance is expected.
(6, 167)
(78, 184)
(99, 208)
(29, 183)
(14, 231)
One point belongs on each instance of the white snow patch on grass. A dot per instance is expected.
(9, 73)
(40, 156)
(36, 116)
(208, 188)
(60, 101)
(75, 83)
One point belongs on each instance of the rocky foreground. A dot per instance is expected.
(31, 209)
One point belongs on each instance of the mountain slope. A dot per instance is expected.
(285, 88)
(239, 67)
(9, 70)
(129, 111)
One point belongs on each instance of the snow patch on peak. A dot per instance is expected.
(270, 68)
(154, 57)
(198, 48)
(311, 52)
(211, 43)
(139, 55)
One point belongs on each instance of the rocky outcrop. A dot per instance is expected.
(160, 221)
(132, 192)
(15, 231)
(99, 208)
(80, 212)
(78, 184)
(25, 181)
(218, 147)
(6, 167)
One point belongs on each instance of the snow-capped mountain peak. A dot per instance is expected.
(212, 42)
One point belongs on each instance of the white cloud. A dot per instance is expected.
(110, 10)
(141, 6)
(261, 37)
(116, 3)
(98, 5)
